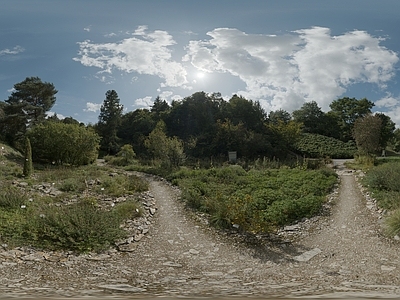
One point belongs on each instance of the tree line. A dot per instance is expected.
(199, 126)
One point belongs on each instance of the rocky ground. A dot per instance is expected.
(341, 254)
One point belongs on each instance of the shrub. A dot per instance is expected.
(78, 227)
(393, 223)
(320, 146)
(11, 197)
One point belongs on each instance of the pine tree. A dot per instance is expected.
(28, 166)
(109, 121)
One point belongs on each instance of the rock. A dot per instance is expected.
(306, 256)
(138, 237)
(193, 251)
(172, 264)
(127, 247)
(122, 287)
(152, 210)
(99, 257)
(387, 268)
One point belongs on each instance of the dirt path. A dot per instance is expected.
(342, 255)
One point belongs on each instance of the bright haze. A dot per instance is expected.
(281, 53)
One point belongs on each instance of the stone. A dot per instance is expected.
(306, 256)
(193, 251)
(122, 287)
(172, 264)
(387, 268)
(127, 247)
(152, 210)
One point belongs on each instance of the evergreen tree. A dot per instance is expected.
(109, 121)
(26, 106)
(28, 166)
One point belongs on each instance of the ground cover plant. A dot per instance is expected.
(320, 146)
(383, 181)
(255, 200)
(61, 207)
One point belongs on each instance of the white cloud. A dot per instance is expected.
(16, 50)
(391, 104)
(93, 107)
(51, 114)
(388, 101)
(285, 71)
(145, 53)
(146, 102)
(88, 28)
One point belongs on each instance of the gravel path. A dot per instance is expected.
(339, 255)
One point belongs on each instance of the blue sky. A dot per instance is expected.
(281, 53)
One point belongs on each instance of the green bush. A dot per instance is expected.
(11, 198)
(393, 223)
(127, 209)
(255, 200)
(384, 181)
(80, 227)
(320, 146)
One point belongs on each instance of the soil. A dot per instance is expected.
(339, 255)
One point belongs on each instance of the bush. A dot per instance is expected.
(393, 223)
(255, 200)
(11, 198)
(320, 146)
(80, 227)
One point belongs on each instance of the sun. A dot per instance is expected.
(200, 75)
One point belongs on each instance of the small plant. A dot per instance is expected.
(80, 227)
(128, 209)
(393, 223)
(12, 198)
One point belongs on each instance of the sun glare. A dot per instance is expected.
(200, 75)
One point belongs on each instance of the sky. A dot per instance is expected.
(281, 53)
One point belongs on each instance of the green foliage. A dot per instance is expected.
(11, 197)
(78, 227)
(109, 121)
(169, 151)
(64, 143)
(315, 145)
(393, 223)
(26, 106)
(367, 134)
(124, 157)
(28, 166)
(347, 110)
(255, 200)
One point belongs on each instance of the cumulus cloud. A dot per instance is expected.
(287, 70)
(144, 53)
(93, 107)
(144, 102)
(13, 51)
(391, 105)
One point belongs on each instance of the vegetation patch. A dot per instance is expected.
(383, 181)
(257, 200)
(320, 146)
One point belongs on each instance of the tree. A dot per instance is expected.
(62, 143)
(314, 120)
(367, 134)
(134, 129)
(160, 109)
(275, 117)
(28, 166)
(387, 129)
(109, 121)
(169, 151)
(248, 112)
(347, 111)
(26, 106)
